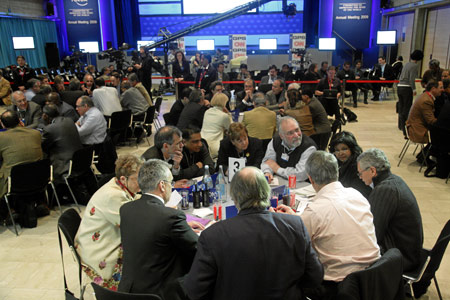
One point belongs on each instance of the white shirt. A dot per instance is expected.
(340, 224)
(106, 99)
(215, 122)
(299, 170)
(92, 128)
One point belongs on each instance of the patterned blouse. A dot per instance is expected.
(98, 239)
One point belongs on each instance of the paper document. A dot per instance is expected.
(202, 212)
(175, 198)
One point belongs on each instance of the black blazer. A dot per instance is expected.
(254, 153)
(254, 255)
(348, 176)
(177, 72)
(388, 72)
(192, 114)
(71, 97)
(158, 246)
(209, 77)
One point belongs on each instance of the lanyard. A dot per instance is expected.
(428, 93)
(124, 187)
(330, 84)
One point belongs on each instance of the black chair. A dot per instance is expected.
(118, 125)
(37, 176)
(146, 123)
(68, 224)
(381, 281)
(102, 293)
(158, 103)
(79, 166)
(418, 285)
(264, 88)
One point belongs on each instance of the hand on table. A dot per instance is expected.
(284, 209)
(269, 176)
(196, 226)
(199, 165)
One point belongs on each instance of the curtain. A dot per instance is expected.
(42, 31)
(128, 21)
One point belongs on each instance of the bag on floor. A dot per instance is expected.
(351, 116)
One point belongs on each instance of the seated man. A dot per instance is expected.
(275, 97)
(251, 252)
(217, 87)
(396, 215)
(195, 155)
(244, 98)
(320, 120)
(339, 222)
(271, 77)
(91, 125)
(34, 85)
(348, 74)
(222, 75)
(158, 244)
(288, 151)
(421, 116)
(60, 139)
(29, 112)
(132, 99)
(261, 122)
(177, 107)
(286, 73)
(105, 98)
(194, 111)
(381, 71)
(329, 91)
(64, 109)
(41, 96)
(71, 95)
(17, 145)
(243, 74)
(134, 80)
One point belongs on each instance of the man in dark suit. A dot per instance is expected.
(60, 139)
(158, 244)
(381, 71)
(206, 75)
(271, 77)
(194, 111)
(74, 92)
(222, 75)
(64, 109)
(257, 254)
(29, 112)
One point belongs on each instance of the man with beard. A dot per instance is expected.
(287, 153)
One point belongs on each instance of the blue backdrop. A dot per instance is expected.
(43, 32)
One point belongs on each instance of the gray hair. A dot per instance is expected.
(249, 188)
(19, 93)
(74, 84)
(374, 158)
(151, 173)
(32, 82)
(126, 85)
(294, 85)
(86, 100)
(322, 167)
(283, 120)
(259, 99)
(165, 135)
(133, 77)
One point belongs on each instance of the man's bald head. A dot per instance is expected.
(250, 189)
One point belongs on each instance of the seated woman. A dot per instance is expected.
(299, 111)
(215, 122)
(98, 238)
(238, 144)
(344, 146)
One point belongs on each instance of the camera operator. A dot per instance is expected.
(143, 63)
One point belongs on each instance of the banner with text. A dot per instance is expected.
(238, 45)
(351, 20)
(82, 22)
(297, 41)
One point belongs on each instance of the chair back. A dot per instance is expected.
(81, 161)
(158, 103)
(29, 178)
(381, 281)
(102, 293)
(439, 248)
(68, 223)
(120, 120)
(150, 115)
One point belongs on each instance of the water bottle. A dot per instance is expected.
(208, 186)
(232, 101)
(221, 187)
(195, 196)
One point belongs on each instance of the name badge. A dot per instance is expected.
(284, 157)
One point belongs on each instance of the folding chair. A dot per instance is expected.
(118, 125)
(422, 149)
(158, 103)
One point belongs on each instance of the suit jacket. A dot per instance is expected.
(32, 114)
(17, 145)
(71, 97)
(260, 122)
(421, 117)
(265, 79)
(239, 104)
(188, 166)
(66, 110)
(272, 100)
(177, 72)
(388, 72)
(254, 153)
(60, 140)
(158, 246)
(192, 114)
(255, 255)
(209, 77)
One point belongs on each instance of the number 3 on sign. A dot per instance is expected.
(234, 165)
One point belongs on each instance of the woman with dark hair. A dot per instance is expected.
(238, 144)
(297, 109)
(311, 75)
(344, 146)
(180, 70)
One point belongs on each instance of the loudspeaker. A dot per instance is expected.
(52, 55)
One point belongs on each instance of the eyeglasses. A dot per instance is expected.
(360, 173)
(172, 183)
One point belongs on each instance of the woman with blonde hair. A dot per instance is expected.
(216, 121)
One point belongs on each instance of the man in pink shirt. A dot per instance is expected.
(339, 223)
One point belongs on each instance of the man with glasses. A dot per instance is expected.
(29, 112)
(396, 215)
(91, 125)
(195, 154)
(158, 244)
(288, 151)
